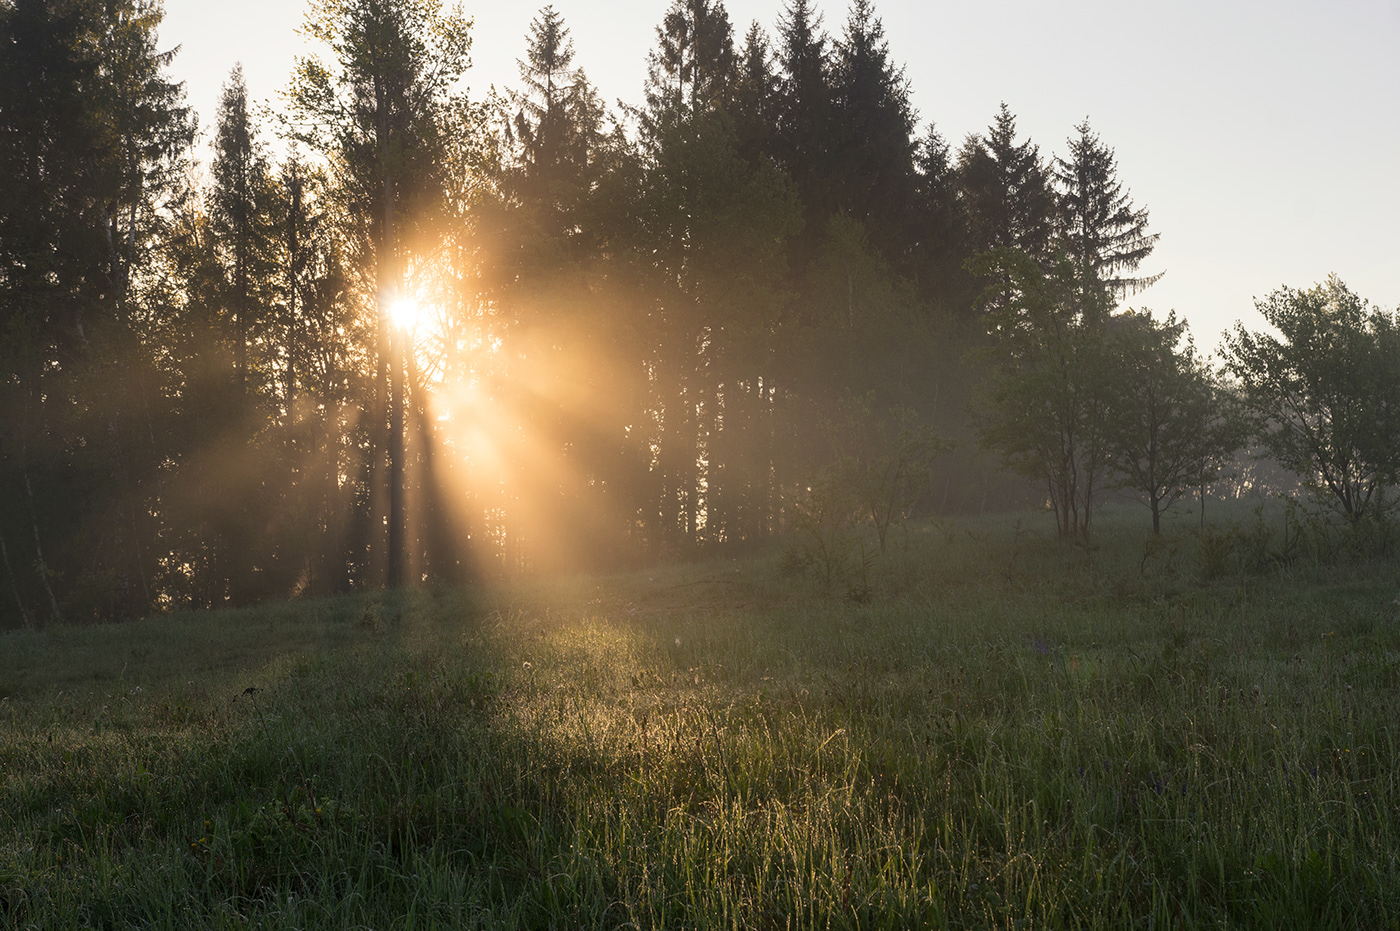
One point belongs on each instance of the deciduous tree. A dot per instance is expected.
(1172, 428)
(1323, 395)
(1050, 391)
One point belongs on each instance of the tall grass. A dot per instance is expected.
(1013, 733)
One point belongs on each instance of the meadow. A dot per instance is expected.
(1002, 731)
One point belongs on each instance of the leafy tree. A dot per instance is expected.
(1101, 231)
(1323, 396)
(883, 460)
(1171, 428)
(1048, 400)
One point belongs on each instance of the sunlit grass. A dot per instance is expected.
(1014, 733)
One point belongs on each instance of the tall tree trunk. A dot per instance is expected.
(293, 264)
(388, 287)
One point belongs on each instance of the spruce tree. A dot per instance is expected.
(755, 97)
(874, 172)
(557, 129)
(806, 116)
(1006, 191)
(939, 238)
(692, 68)
(1101, 231)
(239, 203)
(380, 113)
(93, 138)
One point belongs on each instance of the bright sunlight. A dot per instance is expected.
(405, 313)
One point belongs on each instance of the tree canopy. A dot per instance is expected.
(399, 335)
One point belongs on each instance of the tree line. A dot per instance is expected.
(429, 337)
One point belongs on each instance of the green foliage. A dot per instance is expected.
(1102, 233)
(883, 461)
(1006, 191)
(1173, 428)
(93, 137)
(636, 340)
(1046, 407)
(1323, 397)
(881, 466)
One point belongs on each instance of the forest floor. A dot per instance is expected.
(1007, 731)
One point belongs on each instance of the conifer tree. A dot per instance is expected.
(93, 135)
(755, 97)
(558, 128)
(239, 202)
(1006, 191)
(874, 171)
(1101, 231)
(691, 70)
(381, 114)
(805, 116)
(710, 229)
(939, 240)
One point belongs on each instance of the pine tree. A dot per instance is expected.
(939, 240)
(381, 115)
(1104, 236)
(558, 129)
(239, 203)
(93, 136)
(1006, 191)
(875, 150)
(806, 116)
(710, 231)
(554, 123)
(691, 71)
(755, 98)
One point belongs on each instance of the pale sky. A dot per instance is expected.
(1263, 135)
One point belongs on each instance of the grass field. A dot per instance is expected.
(1011, 733)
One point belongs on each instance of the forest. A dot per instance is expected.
(390, 335)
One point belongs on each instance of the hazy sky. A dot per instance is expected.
(1263, 136)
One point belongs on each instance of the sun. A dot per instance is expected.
(405, 313)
